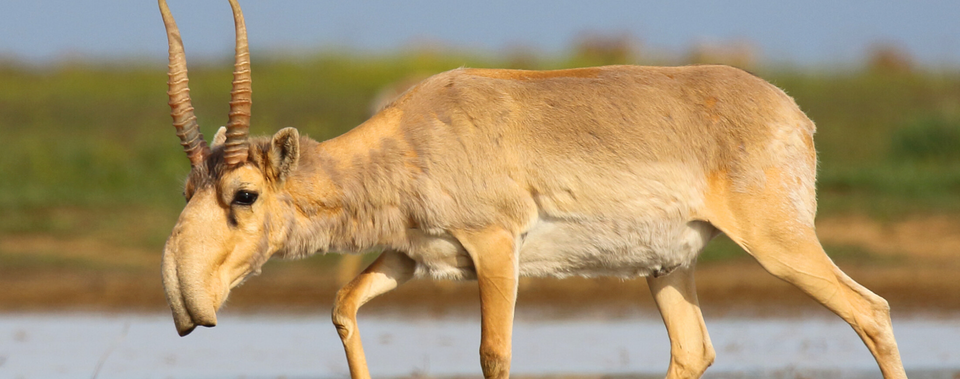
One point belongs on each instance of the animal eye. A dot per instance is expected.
(244, 197)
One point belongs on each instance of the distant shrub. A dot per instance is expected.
(889, 59)
(596, 49)
(929, 139)
(740, 54)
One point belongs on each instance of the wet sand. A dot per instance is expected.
(728, 288)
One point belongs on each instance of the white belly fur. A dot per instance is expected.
(560, 248)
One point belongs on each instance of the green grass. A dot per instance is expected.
(88, 149)
(722, 249)
(927, 140)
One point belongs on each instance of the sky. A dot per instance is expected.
(810, 32)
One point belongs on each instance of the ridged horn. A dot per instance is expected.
(238, 126)
(181, 108)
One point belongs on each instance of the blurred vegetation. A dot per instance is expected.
(88, 149)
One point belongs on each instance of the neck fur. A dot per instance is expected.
(353, 194)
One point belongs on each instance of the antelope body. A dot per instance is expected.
(495, 174)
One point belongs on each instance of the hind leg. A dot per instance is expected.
(769, 226)
(797, 257)
(690, 349)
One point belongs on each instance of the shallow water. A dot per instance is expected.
(271, 346)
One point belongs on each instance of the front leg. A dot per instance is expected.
(494, 256)
(690, 349)
(390, 270)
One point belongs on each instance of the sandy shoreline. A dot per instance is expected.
(723, 288)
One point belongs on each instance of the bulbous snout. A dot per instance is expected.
(204, 258)
(186, 284)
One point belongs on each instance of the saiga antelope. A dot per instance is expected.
(495, 174)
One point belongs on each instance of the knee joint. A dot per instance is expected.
(692, 363)
(709, 355)
(344, 321)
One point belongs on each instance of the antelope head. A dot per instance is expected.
(233, 193)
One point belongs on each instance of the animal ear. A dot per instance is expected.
(284, 153)
(220, 137)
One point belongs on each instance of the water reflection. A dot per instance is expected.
(270, 346)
